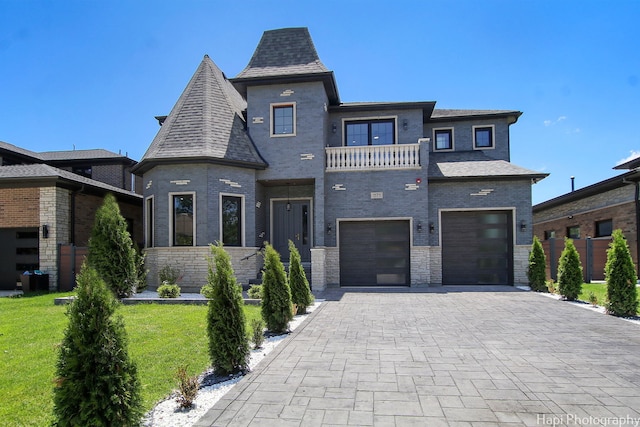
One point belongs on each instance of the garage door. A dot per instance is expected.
(374, 253)
(18, 253)
(477, 248)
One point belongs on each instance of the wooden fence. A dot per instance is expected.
(593, 256)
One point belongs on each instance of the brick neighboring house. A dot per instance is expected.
(589, 215)
(49, 199)
(372, 194)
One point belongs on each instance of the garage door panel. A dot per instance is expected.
(374, 253)
(477, 247)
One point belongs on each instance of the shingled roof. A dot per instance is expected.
(440, 114)
(286, 54)
(206, 124)
(475, 165)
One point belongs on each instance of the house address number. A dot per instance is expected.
(376, 195)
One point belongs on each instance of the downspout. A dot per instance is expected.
(636, 199)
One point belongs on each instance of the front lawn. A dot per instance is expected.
(161, 338)
(600, 291)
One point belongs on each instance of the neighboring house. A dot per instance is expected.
(48, 201)
(588, 216)
(372, 194)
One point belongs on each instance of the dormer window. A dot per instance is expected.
(283, 119)
(82, 171)
(370, 132)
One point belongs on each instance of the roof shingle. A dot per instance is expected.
(206, 122)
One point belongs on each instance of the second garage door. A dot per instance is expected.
(477, 248)
(374, 253)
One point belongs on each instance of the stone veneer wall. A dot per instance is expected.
(54, 212)
(192, 262)
(420, 266)
(435, 261)
(520, 264)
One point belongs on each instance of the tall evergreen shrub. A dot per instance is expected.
(621, 277)
(111, 251)
(96, 382)
(228, 343)
(276, 295)
(301, 294)
(569, 272)
(536, 272)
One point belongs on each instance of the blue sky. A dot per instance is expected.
(89, 74)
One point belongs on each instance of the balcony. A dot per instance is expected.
(373, 157)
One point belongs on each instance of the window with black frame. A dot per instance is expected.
(370, 132)
(183, 220)
(232, 220)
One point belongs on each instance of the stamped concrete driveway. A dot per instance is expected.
(449, 356)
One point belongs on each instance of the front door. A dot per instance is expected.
(291, 221)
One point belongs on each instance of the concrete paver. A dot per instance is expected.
(448, 356)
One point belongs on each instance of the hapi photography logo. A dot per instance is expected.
(578, 420)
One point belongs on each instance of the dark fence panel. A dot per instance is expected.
(70, 259)
(593, 256)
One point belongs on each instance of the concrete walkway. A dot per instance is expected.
(449, 356)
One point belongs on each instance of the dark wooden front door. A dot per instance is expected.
(292, 221)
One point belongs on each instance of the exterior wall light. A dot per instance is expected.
(45, 231)
(328, 228)
(432, 227)
(419, 227)
(334, 128)
(523, 226)
(405, 124)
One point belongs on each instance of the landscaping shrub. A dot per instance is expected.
(257, 332)
(255, 291)
(169, 275)
(569, 272)
(301, 295)
(96, 382)
(168, 291)
(228, 344)
(187, 387)
(537, 267)
(621, 277)
(141, 269)
(276, 296)
(111, 251)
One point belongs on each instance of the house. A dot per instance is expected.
(371, 193)
(588, 216)
(48, 202)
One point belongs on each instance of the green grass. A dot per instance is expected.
(600, 291)
(161, 338)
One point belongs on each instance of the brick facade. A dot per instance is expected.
(20, 207)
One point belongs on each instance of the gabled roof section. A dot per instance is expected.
(476, 165)
(67, 156)
(206, 124)
(286, 55)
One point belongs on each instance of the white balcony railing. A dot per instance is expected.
(372, 157)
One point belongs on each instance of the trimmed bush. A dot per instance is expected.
(141, 269)
(277, 310)
(228, 343)
(188, 386)
(257, 332)
(168, 291)
(255, 291)
(536, 272)
(301, 295)
(169, 274)
(96, 382)
(569, 272)
(111, 251)
(621, 277)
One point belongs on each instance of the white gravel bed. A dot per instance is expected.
(167, 413)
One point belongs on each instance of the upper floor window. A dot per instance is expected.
(482, 137)
(573, 232)
(183, 219)
(231, 220)
(370, 132)
(82, 171)
(604, 228)
(549, 234)
(283, 119)
(443, 139)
